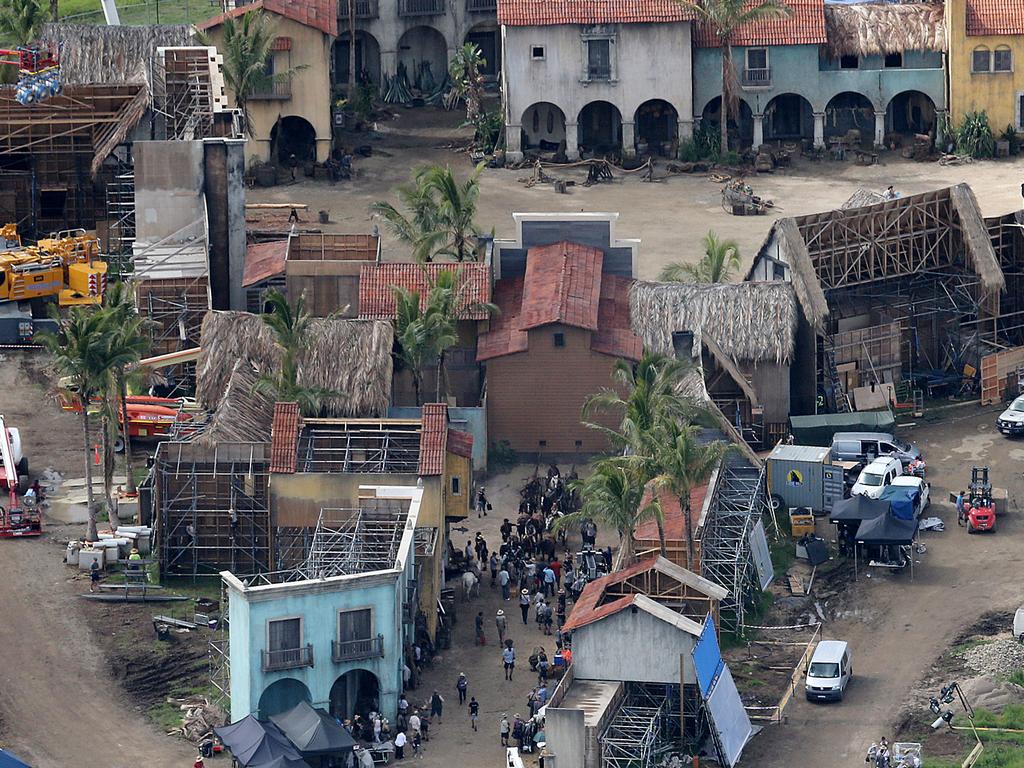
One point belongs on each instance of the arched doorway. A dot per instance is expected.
(600, 128)
(788, 116)
(293, 135)
(849, 111)
(657, 126)
(543, 126)
(356, 692)
(486, 37)
(424, 54)
(741, 127)
(910, 112)
(367, 59)
(282, 695)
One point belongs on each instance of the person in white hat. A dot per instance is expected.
(524, 605)
(502, 624)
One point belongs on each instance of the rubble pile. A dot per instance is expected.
(1000, 658)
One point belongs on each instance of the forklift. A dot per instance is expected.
(979, 513)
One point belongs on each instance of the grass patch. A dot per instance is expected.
(1017, 678)
(958, 650)
(783, 554)
(135, 12)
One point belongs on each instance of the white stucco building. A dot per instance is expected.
(597, 76)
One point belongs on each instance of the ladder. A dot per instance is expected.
(842, 399)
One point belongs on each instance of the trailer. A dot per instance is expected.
(804, 476)
(17, 519)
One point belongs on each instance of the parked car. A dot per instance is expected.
(909, 481)
(1011, 421)
(868, 446)
(876, 476)
(829, 672)
(1018, 624)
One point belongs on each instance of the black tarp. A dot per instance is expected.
(313, 731)
(886, 529)
(857, 508)
(255, 743)
(819, 429)
(282, 762)
(817, 551)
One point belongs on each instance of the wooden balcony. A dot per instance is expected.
(288, 658)
(354, 650)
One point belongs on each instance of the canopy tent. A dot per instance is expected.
(313, 731)
(819, 429)
(903, 500)
(255, 743)
(885, 530)
(7, 760)
(282, 762)
(857, 508)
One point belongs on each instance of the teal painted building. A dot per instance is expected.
(811, 77)
(337, 640)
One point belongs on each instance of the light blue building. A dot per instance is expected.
(332, 632)
(812, 76)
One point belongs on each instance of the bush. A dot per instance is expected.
(705, 145)
(1009, 135)
(974, 136)
(501, 456)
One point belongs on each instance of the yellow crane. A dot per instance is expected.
(66, 266)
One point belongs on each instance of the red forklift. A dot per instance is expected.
(979, 512)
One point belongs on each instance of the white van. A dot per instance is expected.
(876, 475)
(829, 672)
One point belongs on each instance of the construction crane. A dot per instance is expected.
(15, 520)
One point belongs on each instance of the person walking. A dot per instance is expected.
(524, 605)
(493, 564)
(417, 746)
(478, 623)
(505, 530)
(400, 742)
(474, 711)
(504, 728)
(461, 685)
(504, 580)
(501, 623)
(508, 657)
(549, 581)
(414, 722)
(94, 579)
(482, 505)
(436, 706)
(959, 508)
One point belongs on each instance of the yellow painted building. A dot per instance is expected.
(291, 115)
(986, 61)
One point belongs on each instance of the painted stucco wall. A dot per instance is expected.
(997, 93)
(310, 88)
(465, 419)
(559, 78)
(607, 649)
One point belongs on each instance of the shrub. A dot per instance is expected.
(974, 136)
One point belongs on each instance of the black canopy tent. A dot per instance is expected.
(283, 762)
(313, 732)
(887, 531)
(857, 508)
(256, 743)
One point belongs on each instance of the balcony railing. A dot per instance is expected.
(288, 658)
(757, 77)
(275, 89)
(365, 9)
(353, 650)
(481, 5)
(420, 7)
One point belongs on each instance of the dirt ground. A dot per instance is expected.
(669, 217)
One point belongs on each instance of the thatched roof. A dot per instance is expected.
(97, 53)
(883, 28)
(786, 244)
(352, 357)
(862, 197)
(979, 250)
(749, 322)
(243, 414)
(110, 136)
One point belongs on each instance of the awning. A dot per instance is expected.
(857, 508)
(313, 731)
(255, 743)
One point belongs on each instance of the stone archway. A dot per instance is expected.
(600, 128)
(543, 126)
(850, 111)
(788, 116)
(293, 135)
(424, 54)
(367, 59)
(282, 695)
(910, 112)
(357, 692)
(657, 127)
(487, 37)
(741, 127)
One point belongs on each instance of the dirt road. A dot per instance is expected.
(669, 217)
(59, 706)
(896, 627)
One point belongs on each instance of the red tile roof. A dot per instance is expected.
(264, 260)
(433, 437)
(672, 514)
(543, 12)
(318, 14)
(587, 610)
(284, 437)
(995, 17)
(805, 27)
(563, 284)
(460, 443)
(377, 300)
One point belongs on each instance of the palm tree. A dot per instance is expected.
(611, 497)
(21, 21)
(83, 353)
(291, 327)
(412, 339)
(247, 47)
(682, 462)
(465, 69)
(721, 258)
(440, 213)
(724, 17)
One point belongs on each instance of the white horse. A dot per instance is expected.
(470, 585)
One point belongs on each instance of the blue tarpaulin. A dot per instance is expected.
(902, 501)
(707, 658)
(7, 760)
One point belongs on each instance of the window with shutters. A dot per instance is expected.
(980, 60)
(355, 625)
(1002, 60)
(285, 634)
(599, 60)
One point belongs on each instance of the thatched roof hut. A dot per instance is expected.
(748, 322)
(786, 244)
(883, 28)
(351, 357)
(244, 414)
(97, 53)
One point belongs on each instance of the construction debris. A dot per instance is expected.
(738, 198)
(198, 719)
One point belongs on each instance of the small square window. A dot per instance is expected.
(757, 58)
(579, 444)
(848, 62)
(542, 443)
(893, 60)
(980, 61)
(456, 486)
(559, 339)
(537, 52)
(1002, 60)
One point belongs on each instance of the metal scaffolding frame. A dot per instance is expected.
(359, 446)
(645, 728)
(738, 500)
(351, 541)
(187, 90)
